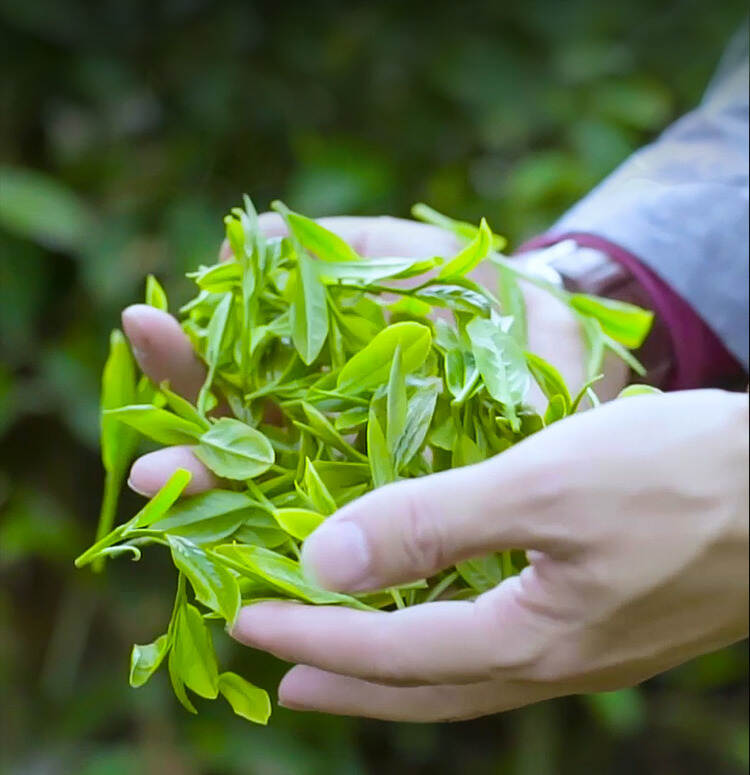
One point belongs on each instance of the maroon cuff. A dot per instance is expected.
(700, 359)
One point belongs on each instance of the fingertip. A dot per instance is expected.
(150, 472)
(297, 689)
(337, 557)
(272, 225)
(162, 349)
(136, 316)
(225, 251)
(141, 322)
(258, 623)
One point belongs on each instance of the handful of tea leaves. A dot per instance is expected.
(369, 387)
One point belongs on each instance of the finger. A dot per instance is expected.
(150, 472)
(443, 642)
(163, 350)
(414, 528)
(225, 251)
(308, 688)
(378, 236)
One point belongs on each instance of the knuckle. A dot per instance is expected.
(387, 661)
(521, 640)
(423, 545)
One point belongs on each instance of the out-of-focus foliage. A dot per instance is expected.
(126, 130)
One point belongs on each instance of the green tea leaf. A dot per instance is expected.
(193, 652)
(118, 390)
(594, 339)
(371, 366)
(210, 531)
(218, 278)
(461, 229)
(326, 245)
(207, 517)
(455, 297)
(396, 403)
(358, 330)
(556, 409)
(155, 295)
(118, 441)
(216, 343)
(584, 391)
(338, 474)
(471, 255)
(410, 307)
(443, 435)
(513, 303)
(351, 418)
(309, 312)
(280, 572)
(638, 390)
(364, 271)
(152, 511)
(183, 408)
(549, 379)
(321, 427)
(157, 424)
(246, 700)
(163, 500)
(145, 660)
(502, 365)
(178, 685)
(299, 523)
(235, 235)
(624, 355)
(461, 373)
(625, 323)
(317, 490)
(213, 584)
(465, 452)
(418, 419)
(216, 333)
(481, 573)
(381, 463)
(234, 450)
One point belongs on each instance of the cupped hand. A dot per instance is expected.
(164, 352)
(635, 520)
(633, 517)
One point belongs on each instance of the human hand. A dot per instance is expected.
(164, 352)
(635, 518)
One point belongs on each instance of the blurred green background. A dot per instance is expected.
(127, 129)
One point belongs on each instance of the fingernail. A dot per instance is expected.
(336, 556)
(135, 489)
(290, 704)
(247, 624)
(132, 323)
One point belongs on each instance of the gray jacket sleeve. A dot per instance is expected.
(681, 204)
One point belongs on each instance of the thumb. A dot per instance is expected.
(412, 529)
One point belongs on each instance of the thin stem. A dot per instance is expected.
(112, 483)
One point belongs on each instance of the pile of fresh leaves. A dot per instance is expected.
(327, 376)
